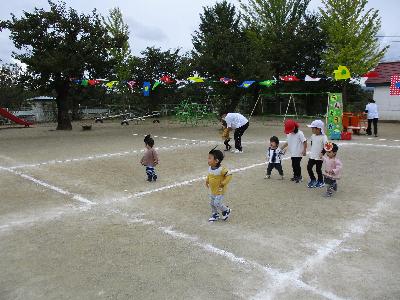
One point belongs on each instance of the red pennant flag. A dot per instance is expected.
(395, 85)
(289, 78)
(167, 79)
(371, 74)
(93, 81)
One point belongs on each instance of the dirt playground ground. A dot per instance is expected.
(79, 221)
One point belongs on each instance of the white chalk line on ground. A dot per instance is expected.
(289, 276)
(340, 142)
(56, 189)
(100, 156)
(209, 248)
(168, 230)
(358, 227)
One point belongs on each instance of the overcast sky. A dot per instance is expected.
(170, 23)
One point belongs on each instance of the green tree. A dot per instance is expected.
(118, 31)
(60, 44)
(220, 50)
(351, 31)
(13, 92)
(275, 26)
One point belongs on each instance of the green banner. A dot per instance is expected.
(335, 114)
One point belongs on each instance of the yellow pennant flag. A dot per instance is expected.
(111, 84)
(342, 73)
(195, 79)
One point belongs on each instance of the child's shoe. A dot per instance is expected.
(267, 176)
(298, 179)
(312, 184)
(149, 179)
(214, 217)
(293, 179)
(319, 184)
(327, 194)
(225, 214)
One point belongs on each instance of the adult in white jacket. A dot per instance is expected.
(239, 123)
(372, 114)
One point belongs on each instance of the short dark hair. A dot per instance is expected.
(274, 139)
(148, 140)
(224, 112)
(335, 148)
(224, 123)
(217, 155)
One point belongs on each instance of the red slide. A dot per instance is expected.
(13, 118)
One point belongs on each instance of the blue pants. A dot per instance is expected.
(151, 173)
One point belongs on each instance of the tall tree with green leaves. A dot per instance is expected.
(58, 45)
(351, 31)
(118, 30)
(275, 27)
(220, 49)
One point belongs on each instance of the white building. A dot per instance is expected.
(388, 106)
(39, 109)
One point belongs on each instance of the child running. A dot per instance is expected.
(297, 145)
(217, 180)
(274, 157)
(318, 140)
(150, 159)
(333, 168)
(225, 136)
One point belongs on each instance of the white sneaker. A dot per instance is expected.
(237, 151)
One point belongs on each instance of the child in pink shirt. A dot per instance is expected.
(333, 167)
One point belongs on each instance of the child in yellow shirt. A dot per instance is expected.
(217, 180)
(225, 136)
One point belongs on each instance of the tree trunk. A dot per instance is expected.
(344, 92)
(63, 106)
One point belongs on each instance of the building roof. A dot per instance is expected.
(385, 70)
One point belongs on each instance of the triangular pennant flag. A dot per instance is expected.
(289, 78)
(395, 85)
(131, 84)
(111, 84)
(267, 83)
(156, 84)
(371, 74)
(167, 79)
(77, 81)
(85, 82)
(146, 88)
(342, 73)
(246, 84)
(195, 79)
(94, 82)
(226, 80)
(309, 78)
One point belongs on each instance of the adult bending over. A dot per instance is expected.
(239, 123)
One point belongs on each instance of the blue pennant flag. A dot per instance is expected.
(246, 84)
(146, 88)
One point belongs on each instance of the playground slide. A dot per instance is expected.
(13, 118)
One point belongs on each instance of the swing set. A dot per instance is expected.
(292, 101)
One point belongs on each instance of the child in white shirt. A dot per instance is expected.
(318, 140)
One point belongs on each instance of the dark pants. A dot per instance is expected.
(277, 166)
(331, 185)
(238, 136)
(375, 122)
(296, 165)
(227, 146)
(310, 166)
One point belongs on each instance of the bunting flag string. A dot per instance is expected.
(246, 84)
